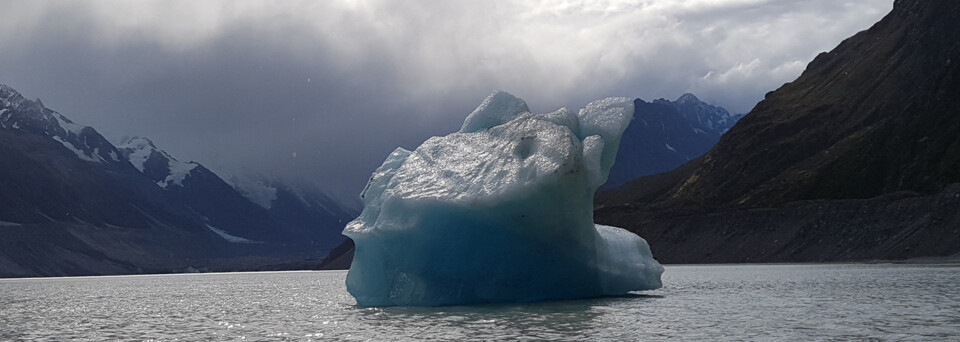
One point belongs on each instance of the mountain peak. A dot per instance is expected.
(704, 116)
(7, 91)
(665, 134)
(155, 163)
(688, 97)
(18, 113)
(875, 115)
(136, 143)
(12, 98)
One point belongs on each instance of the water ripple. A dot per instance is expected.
(740, 302)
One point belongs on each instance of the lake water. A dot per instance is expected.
(729, 302)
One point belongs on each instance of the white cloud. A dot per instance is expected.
(551, 49)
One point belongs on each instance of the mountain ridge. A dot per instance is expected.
(67, 194)
(665, 134)
(872, 98)
(856, 159)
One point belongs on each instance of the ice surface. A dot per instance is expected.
(68, 125)
(501, 211)
(496, 109)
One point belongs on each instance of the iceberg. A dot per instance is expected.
(501, 211)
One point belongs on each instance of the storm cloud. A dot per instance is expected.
(323, 90)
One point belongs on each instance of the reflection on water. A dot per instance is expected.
(552, 320)
(748, 302)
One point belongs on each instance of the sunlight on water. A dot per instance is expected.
(756, 302)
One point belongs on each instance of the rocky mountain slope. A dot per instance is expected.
(853, 160)
(299, 208)
(665, 134)
(73, 203)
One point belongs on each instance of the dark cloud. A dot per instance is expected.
(322, 91)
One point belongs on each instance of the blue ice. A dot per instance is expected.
(501, 211)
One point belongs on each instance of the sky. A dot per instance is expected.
(322, 91)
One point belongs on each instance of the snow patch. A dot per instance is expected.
(9, 224)
(255, 191)
(178, 172)
(228, 237)
(46, 216)
(67, 125)
(670, 147)
(78, 152)
(324, 207)
(140, 151)
(300, 196)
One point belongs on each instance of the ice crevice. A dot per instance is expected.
(501, 211)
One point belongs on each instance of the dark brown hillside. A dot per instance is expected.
(878, 114)
(854, 160)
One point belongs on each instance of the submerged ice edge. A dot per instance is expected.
(500, 211)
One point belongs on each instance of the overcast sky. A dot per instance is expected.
(324, 90)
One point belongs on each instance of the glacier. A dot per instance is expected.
(501, 211)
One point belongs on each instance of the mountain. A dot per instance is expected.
(856, 159)
(222, 208)
(72, 203)
(666, 134)
(54, 170)
(303, 210)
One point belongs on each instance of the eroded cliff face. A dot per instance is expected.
(851, 161)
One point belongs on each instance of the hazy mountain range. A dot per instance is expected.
(71, 203)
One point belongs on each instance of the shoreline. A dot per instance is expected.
(951, 260)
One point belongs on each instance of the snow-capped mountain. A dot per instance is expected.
(153, 163)
(52, 170)
(222, 210)
(73, 203)
(246, 211)
(19, 113)
(704, 117)
(301, 209)
(665, 134)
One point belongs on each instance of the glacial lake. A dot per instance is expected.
(726, 302)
